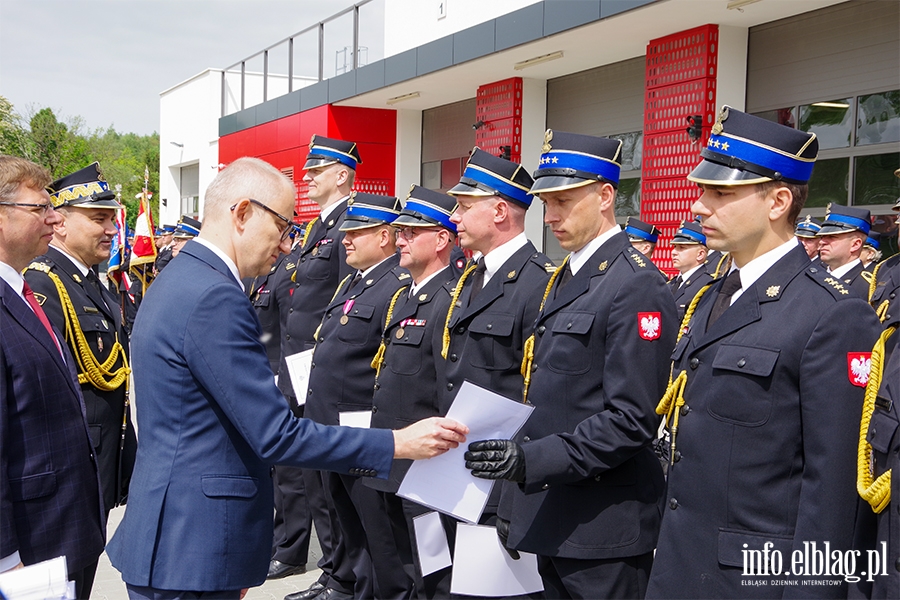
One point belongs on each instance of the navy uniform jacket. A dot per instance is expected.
(887, 285)
(212, 423)
(342, 377)
(163, 258)
(689, 288)
(884, 436)
(486, 336)
(50, 502)
(262, 296)
(593, 484)
(318, 267)
(100, 320)
(408, 388)
(855, 282)
(767, 440)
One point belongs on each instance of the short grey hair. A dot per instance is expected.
(246, 177)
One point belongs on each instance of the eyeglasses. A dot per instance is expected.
(45, 208)
(410, 233)
(288, 224)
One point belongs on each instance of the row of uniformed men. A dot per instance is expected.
(579, 342)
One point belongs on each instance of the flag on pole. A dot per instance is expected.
(143, 251)
(118, 251)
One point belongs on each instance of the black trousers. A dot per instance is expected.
(598, 578)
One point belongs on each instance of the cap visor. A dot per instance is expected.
(312, 163)
(408, 220)
(830, 229)
(555, 183)
(464, 189)
(351, 224)
(711, 173)
(88, 203)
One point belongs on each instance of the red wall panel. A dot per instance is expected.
(499, 106)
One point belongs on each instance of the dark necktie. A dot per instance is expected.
(564, 277)
(39, 312)
(355, 280)
(731, 285)
(477, 279)
(95, 283)
(678, 281)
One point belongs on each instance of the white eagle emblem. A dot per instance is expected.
(859, 364)
(649, 324)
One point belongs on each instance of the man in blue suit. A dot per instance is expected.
(50, 501)
(199, 515)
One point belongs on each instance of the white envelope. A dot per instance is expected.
(482, 567)
(299, 366)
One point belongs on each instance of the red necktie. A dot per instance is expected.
(36, 307)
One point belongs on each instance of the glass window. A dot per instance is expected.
(431, 175)
(628, 197)
(875, 182)
(782, 116)
(632, 149)
(829, 183)
(829, 120)
(878, 118)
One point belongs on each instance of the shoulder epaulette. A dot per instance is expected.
(543, 262)
(832, 284)
(637, 258)
(39, 266)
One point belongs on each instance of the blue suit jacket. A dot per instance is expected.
(212, 423)
(49, 487)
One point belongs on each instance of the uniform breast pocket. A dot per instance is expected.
(262, 300)
(750, 402)
(406, 357)
(356, 329)
(318, 265)
(492, 337)
(571, 340)
(882, 430)
(99, 333)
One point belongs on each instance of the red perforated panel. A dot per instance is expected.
(680, 82)
(499, 106)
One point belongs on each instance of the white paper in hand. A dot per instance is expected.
(443, 482)
(431, 542)
(299, 366)
(482, 567)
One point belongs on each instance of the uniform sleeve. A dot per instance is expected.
(632, 381)
(237, 374)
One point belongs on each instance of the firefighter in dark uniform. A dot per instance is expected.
(589, 483)
(90, 317)
(885, 286)
(409, 367)
(643, 236)
(807, 232)
(165, 251)
(689, 257)
(871, 253)
(365, 559)
(841, 239)
(766, 385)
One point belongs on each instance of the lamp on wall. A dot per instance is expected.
(537, 60)
(177, 144)
(739, 4)
(403, 98)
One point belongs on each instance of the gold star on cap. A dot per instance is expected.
(547, 137)
(773, 290)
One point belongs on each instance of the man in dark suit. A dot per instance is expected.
(199, 515)
(689, 257)
(50, 499)
(409, 367)
(303, 288)
(89, 315)
(589, 483)
(841, 241)
(766, 386)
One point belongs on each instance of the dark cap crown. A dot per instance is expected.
(638, 231)
(426, 208)
(689, 232)
(807, 228)
(841, 219)
(187, 227)
(489, 175)
(85, 187)
(325, 151)
(571, 160)
(744, 149)
(367, 210)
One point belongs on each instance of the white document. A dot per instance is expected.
(356, 418)
(431, 542)
(482, 567)
(48, 579)
(299, 366)
(443, 482)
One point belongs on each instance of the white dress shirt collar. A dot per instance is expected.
(225, 258)
(757, 267)
(81, 266)
(13, 278)
(494, 259)
(579, 258)
(843, 270)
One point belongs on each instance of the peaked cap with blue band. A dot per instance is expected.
(168, 228)
(368, 210)
(873, 240)
(841, 219)
(638, 231)
(744, 149)
(427, 208)
(807, 228)
(570, 160)
(85, 188)
(489, 175)
(325, 151)
(689, 232)
(187, 228)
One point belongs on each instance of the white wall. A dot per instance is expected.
(731, 76)
(534, 124)
(409, 150)
(411, 23)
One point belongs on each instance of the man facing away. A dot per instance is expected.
(199, 516)
(50, 499)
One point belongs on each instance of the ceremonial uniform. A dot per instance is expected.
(842, 221)
(764, 401)
(90, 317)
(260, 290)
(686, 285)
(886, 288)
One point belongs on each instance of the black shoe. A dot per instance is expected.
(278, 569)
(307, 594)
(333, 594)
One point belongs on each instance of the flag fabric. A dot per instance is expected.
(143, 250)
(118, 251)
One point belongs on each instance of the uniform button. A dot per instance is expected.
(541, 330)
(673, 503)
(597, 477)
(742, 362)
(897, 564)
(291, 310)
(490, 326)
(377, 387)
(526, 439)
(461, 329)
(695, 362)
(449, 387)
(375, 408)
(546, 486)
(329, 315)
(321, 339)
(568, 326)
(287, 337)
(893, 295)
(387, 341)
(685, 410)
(677, 456)
(312, 366)
(453, 358)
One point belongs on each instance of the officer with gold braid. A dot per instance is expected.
(90, 317)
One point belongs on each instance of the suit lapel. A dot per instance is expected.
(508, 273)
(321, 227)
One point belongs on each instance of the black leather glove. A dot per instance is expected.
(496, 459)
(503, 534)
